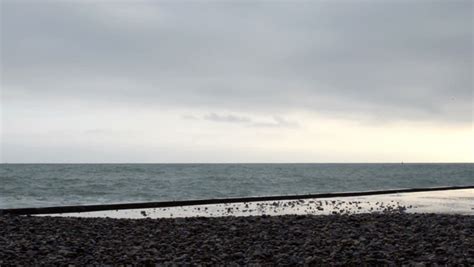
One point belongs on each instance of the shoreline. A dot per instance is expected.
(419, 228)
(225, 201)
(460, 201)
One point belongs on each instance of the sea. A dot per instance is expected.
(41, 185)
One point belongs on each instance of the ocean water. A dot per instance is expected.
(37, 185)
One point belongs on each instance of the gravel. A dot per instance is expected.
(369, 239)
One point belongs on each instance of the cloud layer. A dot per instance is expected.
(385, 60)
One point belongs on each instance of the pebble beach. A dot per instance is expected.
(391, 238)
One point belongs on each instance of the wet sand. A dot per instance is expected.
(443, 202)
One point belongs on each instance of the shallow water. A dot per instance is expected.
(30, 185)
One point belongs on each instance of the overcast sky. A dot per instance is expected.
(175, 81)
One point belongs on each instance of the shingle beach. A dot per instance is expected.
(395, 238)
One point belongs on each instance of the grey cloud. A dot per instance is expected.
(385, 60)
(276, 121)
(226, 118)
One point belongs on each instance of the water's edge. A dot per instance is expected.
(166, 204)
